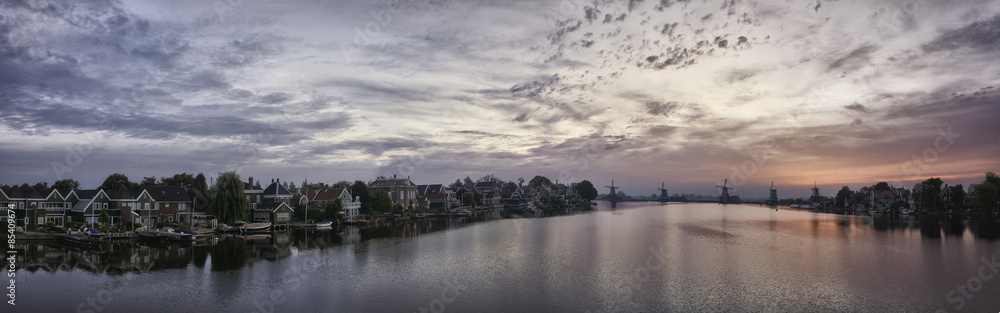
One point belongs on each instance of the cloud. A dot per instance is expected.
(982, 36)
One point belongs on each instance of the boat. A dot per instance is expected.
(256, 227)
(93, 233)
(906, 211)
(196, 236)
(366, 222)
(324, 223)
(150, 235)
(794, 206)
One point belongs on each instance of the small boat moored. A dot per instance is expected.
(324, 223)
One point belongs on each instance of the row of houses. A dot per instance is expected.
(147, 205)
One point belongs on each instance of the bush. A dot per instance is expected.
(74, 225)
(102, 228)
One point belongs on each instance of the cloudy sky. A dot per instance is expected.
(684, 92)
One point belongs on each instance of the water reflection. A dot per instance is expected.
(227, 252)
(232, 252)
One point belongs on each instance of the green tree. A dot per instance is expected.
(842, 195)
(468, 181)
(104, 218)
(381, 201)
(988, 194)
(958, 197)
(539, 181)
(930, 193)
(360, 190)
(992, 179)
(41, 185)
(456, 184)
(64, 184)
(228, 200)
(118, 181)
(146, 181)
(490, 178)
(333, 209)
(881, 186)
(469, 198)
(183, 180)
(586, 190)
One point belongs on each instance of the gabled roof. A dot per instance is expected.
(330, 194)
(166, 193)
(87, 194)
(277, 189)
(11, 192)
(271, 206)
(122, 194)
(86, 201)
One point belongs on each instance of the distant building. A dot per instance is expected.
(402, 190)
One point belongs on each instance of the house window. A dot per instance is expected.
(105, 205)
(180, 207)
(147, 206)
(170, 218)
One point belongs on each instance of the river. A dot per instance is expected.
(639, 257)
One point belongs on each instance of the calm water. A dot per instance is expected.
(639, 257)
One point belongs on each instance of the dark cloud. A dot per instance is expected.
(982, 35)
(857, 107)
(521, 118)
(662, 108)
(858, 57)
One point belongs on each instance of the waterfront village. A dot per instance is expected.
(189, 201)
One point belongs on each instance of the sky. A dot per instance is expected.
(688, 94)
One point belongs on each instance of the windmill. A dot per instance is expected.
(613, 196)
(724, 198)
(773, 198)
(663, 192)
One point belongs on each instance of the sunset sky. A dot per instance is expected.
(684, 92)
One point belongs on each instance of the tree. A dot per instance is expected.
(958, 197)
(930, 191)
(520, 181)
(118, 181)
(490, 178)
(150, 180)
(469, 198)
(228, 200)
(41, 185)
(333, 209)
(381, 201)
(183, 180)
(104, 218)
(468, 181)
(539, 181)
(456, 184)
(360, 190)
(64, 184)
(842, 195)
(992, 179)
(988, 194)
(586, 190)
(881, 186)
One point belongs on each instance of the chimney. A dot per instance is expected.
(251, 181)
(277, 180)
(272, 180)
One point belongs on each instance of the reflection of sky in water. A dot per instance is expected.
(640, 257)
